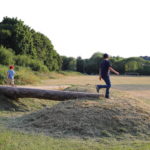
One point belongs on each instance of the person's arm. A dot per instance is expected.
(100, 78)
(113, 70)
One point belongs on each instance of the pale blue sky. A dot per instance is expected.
(82, 27)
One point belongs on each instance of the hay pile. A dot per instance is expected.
(88, 119)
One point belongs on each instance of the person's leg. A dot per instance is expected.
(8, 82)
(12, 82)
(108, 85)
(98, 87)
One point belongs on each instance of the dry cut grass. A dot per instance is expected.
(93, 80)
(120, 115)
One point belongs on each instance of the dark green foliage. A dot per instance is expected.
(92, 65)
(132, 65)
(145, 69)
(37, 65)
(25, 41)
(23, 46)
(129, 65)
(6, 56)
(64, 63)
(22, 60)
(26, 61)
(3, 74)
(118, 64)
(68, 63)
(80, 65)
(72, 64)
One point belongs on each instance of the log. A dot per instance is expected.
(20, 92)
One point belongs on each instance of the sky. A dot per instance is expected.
(83, 27)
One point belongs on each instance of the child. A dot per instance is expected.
(104, 74)
(10, 76)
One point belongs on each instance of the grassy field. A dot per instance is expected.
(136, 89)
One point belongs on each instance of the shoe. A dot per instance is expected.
(97, 89)
(107, 97)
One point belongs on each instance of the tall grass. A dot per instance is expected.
(22, 76)
(3, 74)
(26, 76)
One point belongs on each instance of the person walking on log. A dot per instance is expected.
(105, 69)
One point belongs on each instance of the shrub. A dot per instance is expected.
(25, 76)
(3, 74)
(26, 61)
(6, 56)
(36, 65)
(22, 60)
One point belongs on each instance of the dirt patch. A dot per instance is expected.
(88, 119)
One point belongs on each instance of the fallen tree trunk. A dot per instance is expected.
(18, 92)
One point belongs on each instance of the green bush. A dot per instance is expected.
(26, 61)
(6, 56)
(36, 65)
(22, 60)
(3, 74)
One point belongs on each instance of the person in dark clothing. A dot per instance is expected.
(105, 69)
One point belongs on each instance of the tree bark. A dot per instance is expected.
(18, 92)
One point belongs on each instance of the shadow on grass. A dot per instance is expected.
(7, 104)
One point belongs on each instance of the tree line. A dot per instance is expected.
(133, 65)
(26, 47)
(23, 46)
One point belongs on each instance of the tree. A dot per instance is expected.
(131, 66)
(92, 65)
(25, 41)
(68, 63)
(72, 64)
(80, 65)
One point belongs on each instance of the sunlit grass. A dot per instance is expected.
(11, 140)
(94, 79)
